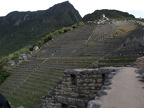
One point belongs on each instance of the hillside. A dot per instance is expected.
(112, 14)
(18, 29)
(116, 41)
(88, 46)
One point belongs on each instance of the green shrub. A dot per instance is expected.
(46, 39)
(16, 54)
(3, 75)
(74, 26)
(80, 24)
(69, 28)
(4, 61)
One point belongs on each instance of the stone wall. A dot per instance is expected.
(77, 88)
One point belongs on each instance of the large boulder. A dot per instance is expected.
(94, 104)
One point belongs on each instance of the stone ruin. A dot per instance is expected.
(103, 19)
(78, 89)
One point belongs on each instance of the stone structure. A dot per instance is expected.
(78, 87)
(36, 48)
(11, 63)
(103, 20)
(103, 17)
(23, 57)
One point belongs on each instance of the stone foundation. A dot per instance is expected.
(78, 87)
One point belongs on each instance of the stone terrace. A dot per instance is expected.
(78, 48)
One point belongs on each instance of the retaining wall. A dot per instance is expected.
(76, 89)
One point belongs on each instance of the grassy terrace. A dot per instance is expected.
(78, 48)
(33, 79)
(116, 61)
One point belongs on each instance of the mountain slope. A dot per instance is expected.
(19, 29)
(78, 48)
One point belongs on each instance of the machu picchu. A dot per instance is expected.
(72, 68)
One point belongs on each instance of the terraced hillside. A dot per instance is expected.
(79, 48)
(131, 48)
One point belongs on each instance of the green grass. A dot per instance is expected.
(116, 61)
(30, 84)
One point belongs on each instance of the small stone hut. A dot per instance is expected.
(11, 63)
(36, 48)
(23, 57)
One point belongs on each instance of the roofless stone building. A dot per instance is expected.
(78, 87)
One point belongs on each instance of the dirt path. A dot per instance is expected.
(126, 92)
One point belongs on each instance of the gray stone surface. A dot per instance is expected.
(94, 104)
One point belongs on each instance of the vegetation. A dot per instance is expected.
(112, 14)
(38, 76)
(4, 60)
(39, 43)
(19, 29)
(116, 61)
(3, 74)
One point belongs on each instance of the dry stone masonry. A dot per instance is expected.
(78, 88)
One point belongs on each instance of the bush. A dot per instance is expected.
(3, 75)
(74, 26)
(69, 28)
(4, 61)
(80, 24)
(47, 38)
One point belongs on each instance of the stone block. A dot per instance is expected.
(85, 96)
(90, 80)
(82, 95)
(94, 91)
(99, 81)
(93, 88)
(79, 102)
(87, 92)
(99, 76)
(106, 87)
(74, 94)
(100, 72)
(91, 76)
(98, 85)
(57, 93)
(84, 85)
(94, 104)
(94, 81)
(101, 93)
(68, 79)
(91, 85)
(81, 91)
(61, 99)
(69, 89)
(84, 76)
(85, 80)
(87, 88)
(91, 95)
(95, 71)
